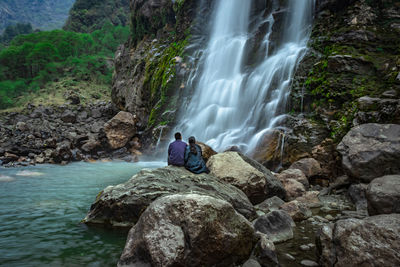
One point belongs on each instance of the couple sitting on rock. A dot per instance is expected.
(190, 156)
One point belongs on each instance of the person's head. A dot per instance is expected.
(192, 140)
(192, 144)
(178, 136)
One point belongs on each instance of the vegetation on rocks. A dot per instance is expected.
(355, 53)
(90, 15)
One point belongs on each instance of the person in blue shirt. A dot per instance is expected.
(193, 158)
(176, 151)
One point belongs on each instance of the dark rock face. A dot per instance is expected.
(383, 195)
(278, 225)
(371, 150)
(373, 241)
(189, 230)
(122, 205)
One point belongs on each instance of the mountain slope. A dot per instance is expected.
(42, 14)
(90, 15)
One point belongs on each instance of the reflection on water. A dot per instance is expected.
(40, 214)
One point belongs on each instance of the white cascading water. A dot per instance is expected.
(235, 106)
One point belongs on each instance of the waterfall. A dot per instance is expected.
(234, 103)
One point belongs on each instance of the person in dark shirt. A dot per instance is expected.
(194, 159)
(176, 151)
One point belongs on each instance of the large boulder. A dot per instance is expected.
(122, 205)
(383, 195)
(120, 129)
(294, 189)
(370, 151)
(373, 241)
(277, 225)
(249, 176)
(189, 230)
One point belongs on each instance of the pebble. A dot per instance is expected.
(304, 247)
(308, 263)
(311, 245)
(289, 257)
(329, 217)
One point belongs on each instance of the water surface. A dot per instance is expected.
(41, 208)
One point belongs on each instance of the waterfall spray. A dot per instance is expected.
(236, 104)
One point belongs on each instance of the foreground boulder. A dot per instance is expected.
(122, 205)
(120, 129)
(256, 181)
(189, 230)
(383, 195)
(373, 241)
(370, 151)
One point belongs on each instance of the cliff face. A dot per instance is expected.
(151, 67)
(42, 14)
(90, 15)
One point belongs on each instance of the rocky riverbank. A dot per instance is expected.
(242, 214)
(61, 134)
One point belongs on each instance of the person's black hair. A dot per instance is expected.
(178, 136)
(192, 144)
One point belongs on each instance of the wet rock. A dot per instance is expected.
(122, 205)
(278, 225)
(207, 151)
(309, 166)
(370, 151)
(298, 211)
(372, 241)
(120, 129)
(251, 263)
(264, 251)
(309, 263)
(310, 199)
(189, 230)
(383, 195)
(232, 168)
(347, 63)
(357, 194)
(295, 174)
(270, 204)
(68, 116)
(293, 189)
(91, 145)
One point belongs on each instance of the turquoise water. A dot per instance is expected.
(41, 208)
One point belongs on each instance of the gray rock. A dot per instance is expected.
(251, 263)
(264, 251)
(309, 263)
(270, 204)
(68, 116)
(297, 210)
(357, 195)
(370, 151)
(122, 205)
(278, 225)
(373, 241)
(189, 230)
(383, 195)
